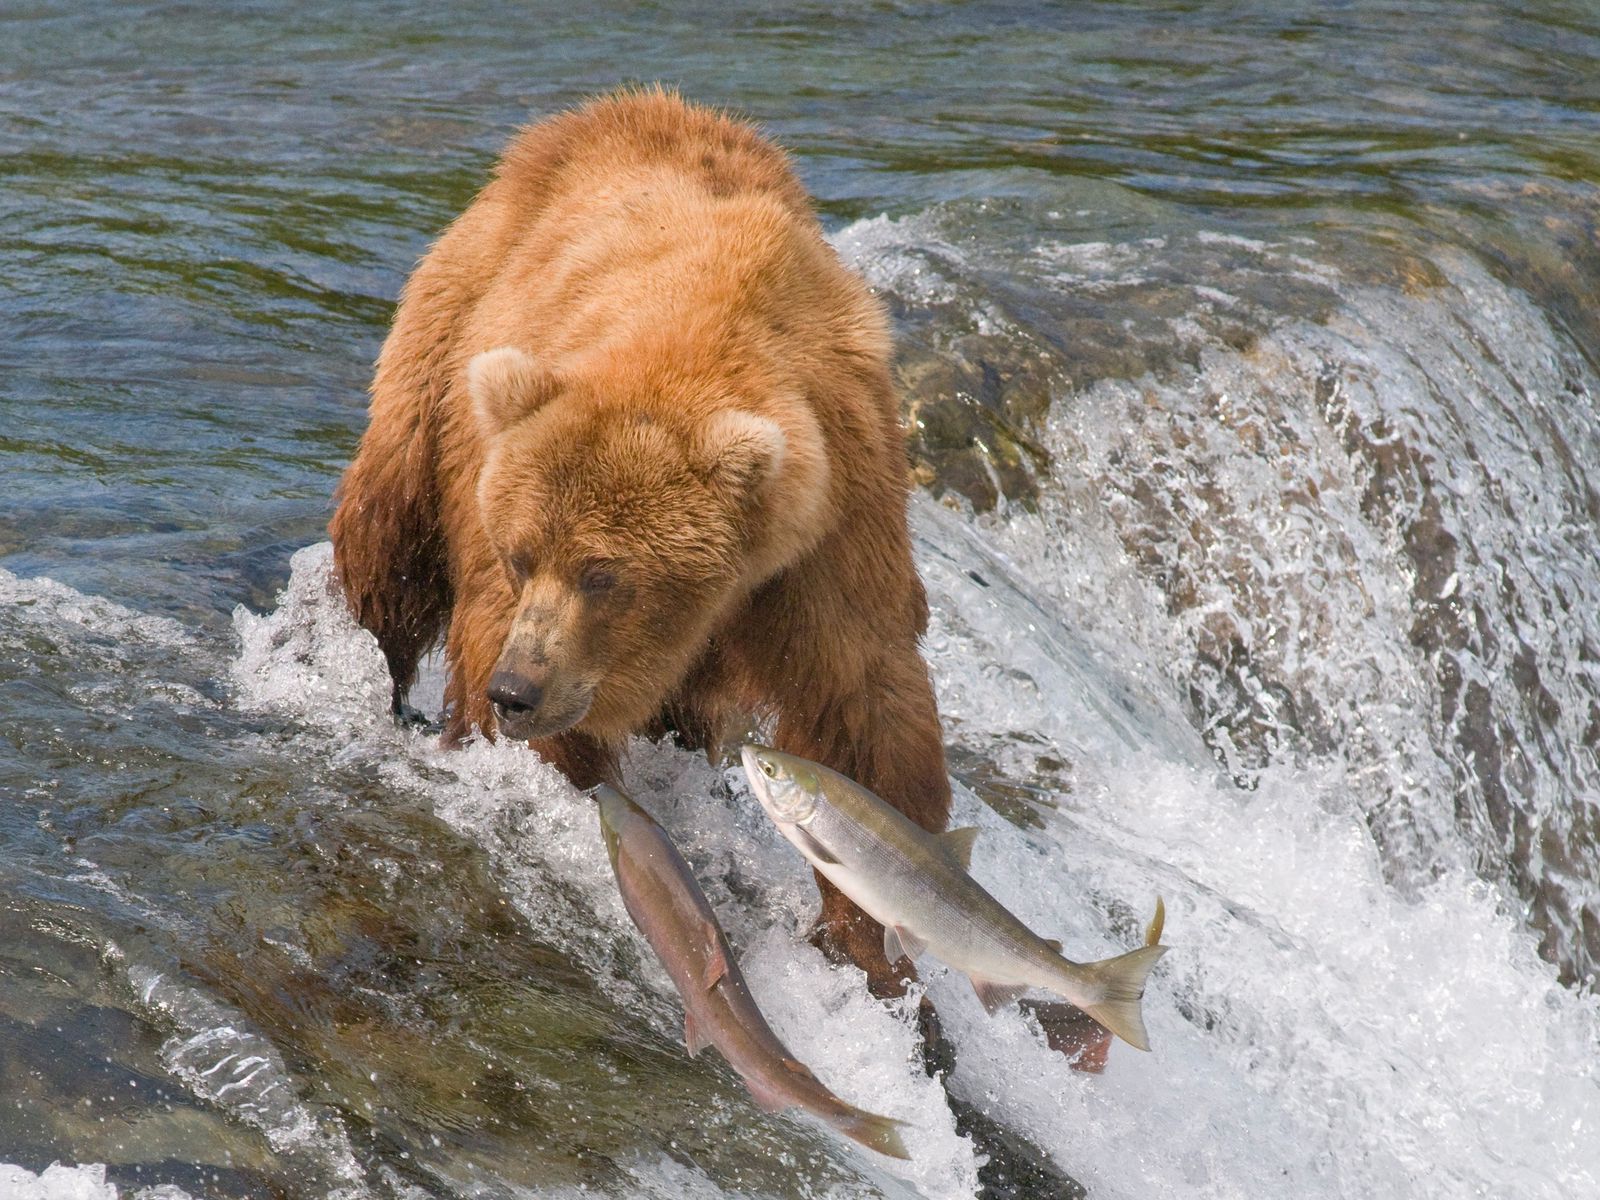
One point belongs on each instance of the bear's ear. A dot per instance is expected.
(506, 385)
(740, 449)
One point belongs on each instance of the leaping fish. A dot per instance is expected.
(667, 905)
(916, 884)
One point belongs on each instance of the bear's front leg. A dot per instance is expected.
(585, 761)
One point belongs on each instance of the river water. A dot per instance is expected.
(1251, 352)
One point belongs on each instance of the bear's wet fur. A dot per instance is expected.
(634, 451)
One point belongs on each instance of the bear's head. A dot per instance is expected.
(625, 529)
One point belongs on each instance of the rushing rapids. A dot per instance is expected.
(1252, 391)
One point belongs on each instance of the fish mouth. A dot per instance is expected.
(785, 800)
(750, 756)
(524, 726)
(761, 782)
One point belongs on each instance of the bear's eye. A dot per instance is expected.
(596, 579)
(519, 566)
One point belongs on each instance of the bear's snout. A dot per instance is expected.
(516, 701)
(514, 695)
(536, 705)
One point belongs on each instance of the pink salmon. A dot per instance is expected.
(672, 912)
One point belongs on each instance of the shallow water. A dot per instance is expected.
(1251, 357)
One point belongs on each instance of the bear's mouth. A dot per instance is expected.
(550, 718)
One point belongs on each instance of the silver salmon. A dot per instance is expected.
(916, 884)
(667, 905)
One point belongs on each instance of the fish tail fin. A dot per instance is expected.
(872, 1131)
(1122, 980)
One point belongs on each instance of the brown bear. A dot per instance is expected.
(634, 449)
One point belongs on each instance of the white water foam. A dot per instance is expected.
(308, 657)
(1317, 1031)
(217, 1055)
(1385, 514)
(49, 604)
(911, 257)
(86, 1181)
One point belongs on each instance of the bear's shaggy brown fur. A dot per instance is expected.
(633, 448)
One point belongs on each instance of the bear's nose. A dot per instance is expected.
(514, 693)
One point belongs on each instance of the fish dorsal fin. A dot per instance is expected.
(899, 942)
(814, 849)
(957, 845)
(995, 996)
(1054, 946)
(717, 964)
(693, 1037)
(1152, 931)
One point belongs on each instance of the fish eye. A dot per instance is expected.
(770, 771)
